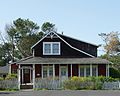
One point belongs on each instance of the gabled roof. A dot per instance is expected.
(58, 35)
(40, 60)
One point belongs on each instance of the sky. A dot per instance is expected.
(81, 19)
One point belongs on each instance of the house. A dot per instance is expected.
(4, 71)
(57, 55)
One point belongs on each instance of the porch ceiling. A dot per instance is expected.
(40, 60)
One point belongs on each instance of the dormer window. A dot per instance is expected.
(51, 48)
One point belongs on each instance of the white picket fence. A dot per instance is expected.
(111, 85)
(48, 84)
(9, 84)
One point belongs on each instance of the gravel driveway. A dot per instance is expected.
(63, 93)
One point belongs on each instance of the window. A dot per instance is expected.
(86, 70)
(51, 48)
(47, 71)
(94, 70)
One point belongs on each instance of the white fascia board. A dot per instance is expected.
(73, 47)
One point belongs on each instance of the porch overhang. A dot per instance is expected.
(40, 60)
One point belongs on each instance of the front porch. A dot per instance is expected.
(27, 73)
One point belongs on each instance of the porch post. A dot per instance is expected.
(53, 71)
(33, 76)
(107, 70)
(42, 70)
(10, 68)
(71, 70)
(90, 69)
(19, 76)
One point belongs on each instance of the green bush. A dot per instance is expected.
(114, 73)
(77, 83)
(11, 76)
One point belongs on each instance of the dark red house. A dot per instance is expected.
(62, 56)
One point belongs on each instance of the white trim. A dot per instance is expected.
(90, 69)
(66, 66)
(42, 70)
(71, 70)
(91, 66)
(33, 53)
(51, 48)
(10, 68)
(73, 47)
(33, 75)
(53, 71)
(19, 76)
(40, 40)
(48, 68)
(64, 42)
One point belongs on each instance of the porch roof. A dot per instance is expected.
(40, 60)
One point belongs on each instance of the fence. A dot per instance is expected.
(111, 85)
(9, 84)
(47, 83)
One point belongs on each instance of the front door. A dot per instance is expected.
(63, 72)
(27, 76)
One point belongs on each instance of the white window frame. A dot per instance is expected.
(91, 66)
(51, 46)
(48, 68)
(66, 66)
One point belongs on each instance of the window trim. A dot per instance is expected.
(48, 69)
(85, 66)
(51, 46)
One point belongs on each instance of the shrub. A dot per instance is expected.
(114, 73)
(11, 76)
(77, 83)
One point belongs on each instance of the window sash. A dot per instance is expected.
(85, 71)
(51, 48)
(47, 71)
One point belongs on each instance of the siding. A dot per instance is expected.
(102, 70)
(66, 51)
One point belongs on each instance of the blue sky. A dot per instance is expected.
(81, 19)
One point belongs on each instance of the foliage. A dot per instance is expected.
(77, 83)
(112, 42)
(114, 73)
(23, 33)
(11, 76)
(48, 27)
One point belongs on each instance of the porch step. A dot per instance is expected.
(26, 86)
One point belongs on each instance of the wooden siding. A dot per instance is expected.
(66, 51)
(75, 70)
(102, 70)
(57, 70)
(69, 70)
(14, 68)
(87, 47)
(38, 71)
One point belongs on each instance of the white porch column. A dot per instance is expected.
(53, 71)
(90, 69)
(71, 70)
(33, 76)
(42, 70)
(10, 68)
(19, 76)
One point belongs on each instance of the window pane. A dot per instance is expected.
(50, 71)
(94, 70)
(63, 71)
(87, 71)
(55, 48)
(47, 48)
(44, 72)
(82, 71)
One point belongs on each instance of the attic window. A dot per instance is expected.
(51, 48)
